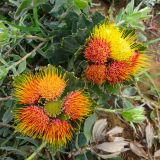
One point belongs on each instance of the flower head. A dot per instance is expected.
(77, 105)
(25, 88)
(32, 121)
(47, 115)
(97, 50)
(96, 73)
(121, 43)
(118, 72)
(51, 83)
(58, 133)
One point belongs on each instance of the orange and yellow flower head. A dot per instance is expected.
(97, 51)
(51, 83)
(118, 72)
(25, 88)
(59, 132)
(111, 53)
(96, 73)
(121, 43)
(32, 121)
(77, 105)
(47, 115)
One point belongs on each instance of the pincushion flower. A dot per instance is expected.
(96, 73)
(45, 114)
(97, 50)
(118, 72)
(26, 91)
(112, 55)
(81, 101)
(119, 43)
(49, 79)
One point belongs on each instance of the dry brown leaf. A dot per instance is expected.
(106, 156)
(112, 147)
(115, 130)
(118, 139)
(157, 154)
(139, 151)
(149, 135)
(99, 129)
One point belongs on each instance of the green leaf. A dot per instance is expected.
(14, 150)
(57, 55)
(130, 7)
(88, 124)
(97, 18)
(81, 140)
(58, 5)
(70, 43)
(36, 3)
(130, 91)
(81, 157)
(26, 5)
(81, 4)
(7, 116)
(28, 139)
(153, 41)
(134, 114)
(3, 72)
(22, 66)
(4, 34)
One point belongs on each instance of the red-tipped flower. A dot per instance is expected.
(77, 105)
(58, 133)
(32, 121)
(97, 51)
(118, 72)
(96, 73)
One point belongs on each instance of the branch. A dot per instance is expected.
(31, 157)
(5, 98)
(35, 38)
(79, 151)
(26, 56)
(6, 125)
(146, 99)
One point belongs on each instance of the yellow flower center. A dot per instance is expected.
(53, 108)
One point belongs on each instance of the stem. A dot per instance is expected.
(5, 98)
(109, 110)
(6, 125)
(146, 99)
(10, 137)
(25, 57)
(37, 151)
(35, 16)
(35, 38)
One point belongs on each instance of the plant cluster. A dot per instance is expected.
(61, 70)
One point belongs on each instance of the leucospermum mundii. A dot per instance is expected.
(115, 49)
(96, 73)
(44, 113)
